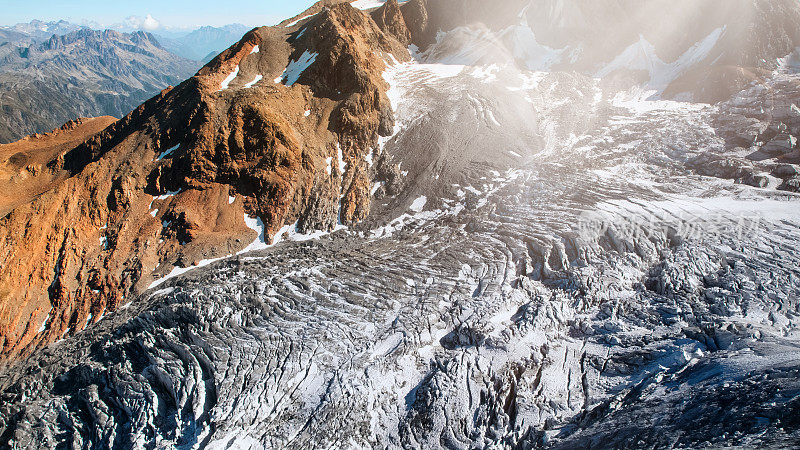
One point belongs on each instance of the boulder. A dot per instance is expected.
(720, 166)
(791, 185)
(786, 171)
(782, 143)
(755, 180)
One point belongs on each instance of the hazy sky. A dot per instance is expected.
(162, 13)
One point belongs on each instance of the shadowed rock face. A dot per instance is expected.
(532, 260)
(391, 20)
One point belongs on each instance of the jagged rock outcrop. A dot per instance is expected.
(172, 183)
(391, 20)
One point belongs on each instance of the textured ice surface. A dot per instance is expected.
(567, 282)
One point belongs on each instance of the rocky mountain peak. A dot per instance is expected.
(282, 123)
(391, 20)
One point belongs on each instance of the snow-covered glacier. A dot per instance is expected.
(557, 262)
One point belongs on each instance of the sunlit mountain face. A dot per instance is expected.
(426, 224)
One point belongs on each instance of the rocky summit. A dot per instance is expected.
(426, 224)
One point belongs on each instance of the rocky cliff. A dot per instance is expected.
(278, 128)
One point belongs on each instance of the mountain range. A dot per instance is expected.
(53, 72)
(195, 44)
(428, 224)
(84, 73)
(204, 43)
(37, 30)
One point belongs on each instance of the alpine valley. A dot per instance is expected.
(53, 72)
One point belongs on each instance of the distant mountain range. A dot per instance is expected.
(52, 72)
(204, 43)
(84, 73)
(37, 30)
(201, 44)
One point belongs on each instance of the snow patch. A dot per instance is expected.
(291, 24)
(231, 77)
(640, 101)
(288, 232)
(642, 56)
(419, 204)
(163, 197)
(252, 83)
(368, 158)
(168, 152)
(293, 235)
(176, 271)
(296, 68)
(44, 324)
(523, 44)
(167, 195)
(369, 4)
(257, 225)
(342, 164)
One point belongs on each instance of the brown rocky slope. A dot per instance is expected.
(279, 127)
(172, 183)
(23, 171)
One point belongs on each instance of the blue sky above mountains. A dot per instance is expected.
(153, 15)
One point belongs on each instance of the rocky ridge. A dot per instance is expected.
(141, 190)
